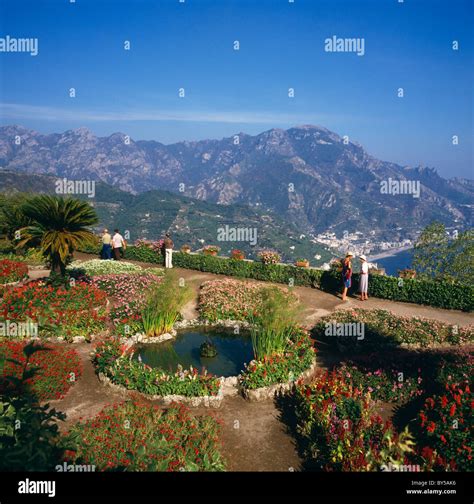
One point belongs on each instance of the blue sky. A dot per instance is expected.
(190, 45)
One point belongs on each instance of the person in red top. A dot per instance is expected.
(346, 274)
(168, 250)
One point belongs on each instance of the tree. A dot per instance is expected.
(59, 226)
(439, 257)
(11, 216)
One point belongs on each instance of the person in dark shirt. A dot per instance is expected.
(346, 274)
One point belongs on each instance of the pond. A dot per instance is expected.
(233, 351)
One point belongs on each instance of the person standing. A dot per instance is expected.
(106, 252)
(118, 245)
(346, 274)
(168, 248)
(364, 278)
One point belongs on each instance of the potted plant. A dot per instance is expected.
(238, 255)
(407, 273)
(186, 249)
(211, 250)
(302, 263)
(269, 257)
(377, 271)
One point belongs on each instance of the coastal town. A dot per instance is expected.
(359, 243)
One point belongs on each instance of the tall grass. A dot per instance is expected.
(274, 323)
(163, 305)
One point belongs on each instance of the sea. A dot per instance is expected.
(392, 264)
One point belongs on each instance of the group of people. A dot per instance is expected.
(347, 276)
(113, 247)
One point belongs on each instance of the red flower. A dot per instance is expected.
(431, 427)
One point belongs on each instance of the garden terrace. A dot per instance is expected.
(265, 437)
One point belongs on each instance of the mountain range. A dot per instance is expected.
(190, 221)
(309, 176)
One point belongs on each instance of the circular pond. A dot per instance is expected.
(233, 351)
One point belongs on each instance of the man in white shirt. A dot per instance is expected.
(118, 245)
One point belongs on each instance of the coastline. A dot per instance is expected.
(387, 253)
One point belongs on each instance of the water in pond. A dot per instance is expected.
(233, 351)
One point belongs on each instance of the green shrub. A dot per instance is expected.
(273, 324)
(163, 305)
(6, 246)
(283, 367)
(437, 293)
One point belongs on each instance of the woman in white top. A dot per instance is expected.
(364, 278)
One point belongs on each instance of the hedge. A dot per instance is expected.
(433, 293)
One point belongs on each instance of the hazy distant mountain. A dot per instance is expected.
(152, 213)
(335, 185)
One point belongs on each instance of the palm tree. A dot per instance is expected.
(11, 215)
(59, 226)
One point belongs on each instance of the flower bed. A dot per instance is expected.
(66, 313)
(392, 384)
(12, 271)
(340, 430)
(140, 437)
(445, 431)
(103, 267)
(115, 361)
(230, 299)
(298, 357)
(59, 368)
(385, 329)
(128, 292)
(154, 245)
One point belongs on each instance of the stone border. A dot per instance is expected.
(182, 324)
(13, 284)
(194, 401)
(264, 393)
(228, 323)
